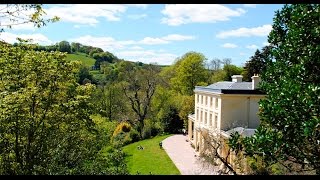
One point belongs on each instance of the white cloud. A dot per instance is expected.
(137, 16)
(266, 44)
(177, 37)
(136, 48)
(161, 50)
(36, 38)
(106, 43)
(88, 13)
(165, 39)
(253, 46)
(109, 43)
(246, 32)
(76, 26)
(143, 6)
(153, 41)
(177, 14)
(243, 54)
(250, 5)
(229, 45)
(26, 26)
(147, 56)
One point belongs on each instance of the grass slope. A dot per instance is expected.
(88, 61)
(150, 159)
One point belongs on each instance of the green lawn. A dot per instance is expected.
(150, 159)
(81, 57)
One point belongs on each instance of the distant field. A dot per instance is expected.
(150, 160)
(88, 61)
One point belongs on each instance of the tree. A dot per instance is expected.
(16, 14)
(139, 87)
(231, 70)
(290, 113)
(109, 101)
(95, 50)
(84, 74)
(186, 108)
(256, 64)
(214, 64)
(111, 71)
(165, 109)
(45, 124)
(219, 75)
(171, 121)
(39, 48)
(226, 61)
(85, 49)
(190, 72)
(75, 47)
(51, 48)
(103, 57)
(64, 46)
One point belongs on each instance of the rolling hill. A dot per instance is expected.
(84, 58)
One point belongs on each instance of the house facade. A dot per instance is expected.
(223, 106)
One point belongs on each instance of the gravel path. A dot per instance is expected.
(184, 156)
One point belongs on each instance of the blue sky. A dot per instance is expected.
(157, 32)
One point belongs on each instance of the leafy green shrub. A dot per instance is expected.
(171, 121)
(257, 166)
(134, 135)
(105, 129)
(127, 139)
(149, 129)
(104, 164)
(278, 169)
(123, 135)
(122, 139)
(117, 141)
(146, 132)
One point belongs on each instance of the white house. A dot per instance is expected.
(223, 106)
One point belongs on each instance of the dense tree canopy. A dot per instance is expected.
(139, 87)
(190, 72)
(103, 57)
(45, 124)
(290, 113)
(231, 70)
(84, 74)
(95, 50)
(64, 46)
(256, 64)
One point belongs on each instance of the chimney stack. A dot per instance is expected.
(237, 78)
(255, 81)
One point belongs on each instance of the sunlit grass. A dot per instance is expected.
(151, 160)
(88, 61)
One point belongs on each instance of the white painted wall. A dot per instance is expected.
(204, 107)
(232, 110)
(240, 111)
(254, 109)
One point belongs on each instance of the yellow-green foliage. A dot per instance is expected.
(104, 125)
(121, 135)
(122, 127)
(257, 165)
